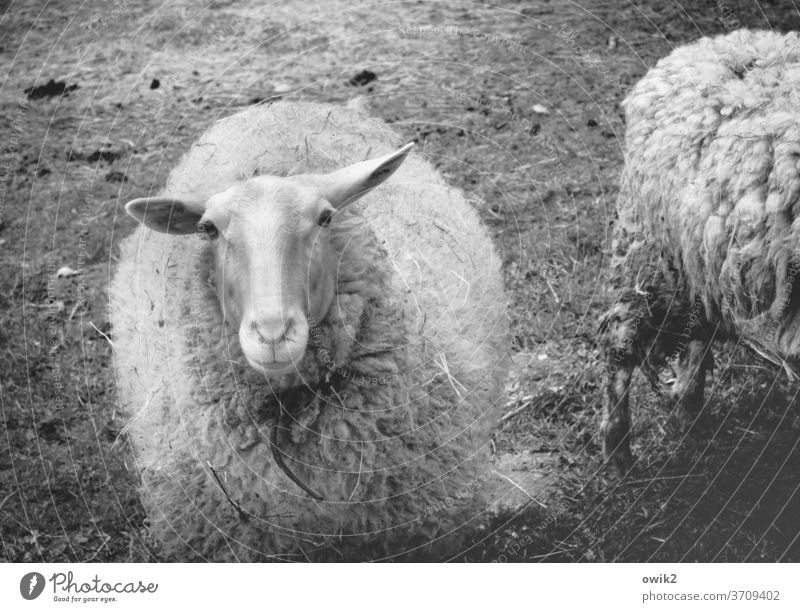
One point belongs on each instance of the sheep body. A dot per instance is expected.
(707, 238)
(391, 409)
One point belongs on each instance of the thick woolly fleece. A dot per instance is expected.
(709, 207)
(392, 407)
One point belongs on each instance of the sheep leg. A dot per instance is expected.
(621, 326)
(641, 330)
(686, 393)
(616, 426)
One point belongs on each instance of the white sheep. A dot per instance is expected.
(708, 231)
(305, 377)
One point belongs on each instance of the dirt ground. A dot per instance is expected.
(97, 105)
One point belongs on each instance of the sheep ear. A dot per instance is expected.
(167, 215)
(344, 186)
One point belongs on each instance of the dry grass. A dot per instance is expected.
(544, 183)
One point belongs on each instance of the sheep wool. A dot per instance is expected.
(392, 407)
(707, 238)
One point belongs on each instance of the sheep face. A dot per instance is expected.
(273, 260)
(274, 268)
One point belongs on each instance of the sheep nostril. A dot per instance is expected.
(290, 329)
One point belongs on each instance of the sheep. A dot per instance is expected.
(707, 237)
(308, 368)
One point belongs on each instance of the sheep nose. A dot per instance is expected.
(274, 329)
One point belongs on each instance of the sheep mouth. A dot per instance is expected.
(273, 368)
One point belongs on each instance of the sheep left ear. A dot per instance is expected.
(344, 186)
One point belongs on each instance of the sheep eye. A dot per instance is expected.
(208, 228)
(325, 218)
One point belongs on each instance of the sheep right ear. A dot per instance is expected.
(167, 215)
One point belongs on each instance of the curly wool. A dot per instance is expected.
(709, 199)
(390, 410)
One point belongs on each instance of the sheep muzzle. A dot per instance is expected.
(274, 344)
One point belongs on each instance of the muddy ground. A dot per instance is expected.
(97, 105)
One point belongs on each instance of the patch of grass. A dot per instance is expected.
(543, 182)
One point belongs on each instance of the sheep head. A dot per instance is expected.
(275, 271)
